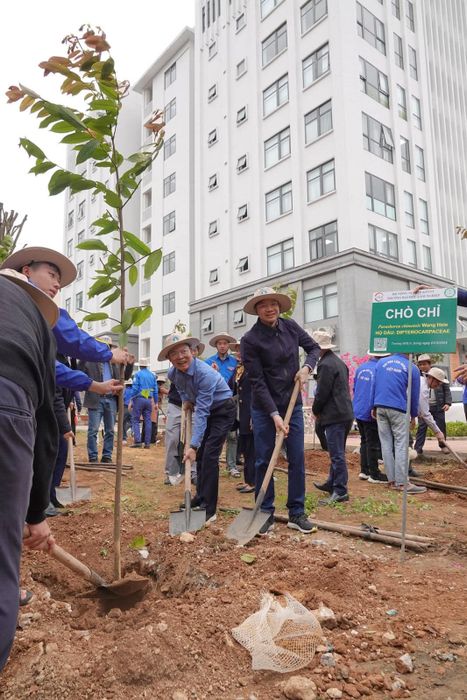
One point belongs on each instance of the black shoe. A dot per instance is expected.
(323, 487)
(239, 462)
(300, 522)
(106, 460)
(194, 480)
(55, 502)
(51, 511)
(377, 478)
(247, 489)
(196, 504)
(267, 526)
(147, 447)
(94, 460)
(334, 498)
(137, 445)
(412, 472)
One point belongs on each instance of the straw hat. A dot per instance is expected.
(235, 347)
(323, 338)
(107, 339)
(174, 340)
(46, 306)
(201, 347)
(438, 374)
(377, 354)
(26, 256)
(424, 358)
(264, 293)
(221, 336)
(144, 362)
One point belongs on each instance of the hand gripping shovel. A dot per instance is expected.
(249, 521)
(187, 520)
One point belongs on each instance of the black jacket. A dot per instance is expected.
(94, 370)
(332, 402)
(442, 395)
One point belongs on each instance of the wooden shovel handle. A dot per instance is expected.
(188, 414)
(76, 565)
(183, 425)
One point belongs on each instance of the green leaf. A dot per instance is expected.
(127, 319)
(111, 298)
(62, 127)
(105, 105)
(31, 149)
(42, 167)
(141, 315)
(136, 243)
(92, 244)
(103, 284)
(87, 151)
(128, 257)
(108, 89)
(79, 183)
(59, 181)
(112, 199)
(152, 263)
(113, 262)
(248, 558)
(48, 120)
(66, 114)
(80, 137)
(139, 542)
(108, 68)
(133, 275)
(99, 316)
(140, 157)
(106, 223)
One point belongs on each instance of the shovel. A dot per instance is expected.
(181, 442)
(187, 520)
(249, 521)
(457, 456)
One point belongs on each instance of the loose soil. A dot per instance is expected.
(176, 643)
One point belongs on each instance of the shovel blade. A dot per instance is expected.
(246, 525)
(186, 521)
(128, 586)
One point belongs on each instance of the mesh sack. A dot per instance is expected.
(280, 637)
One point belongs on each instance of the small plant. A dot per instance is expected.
(374, 507)
(311, 503)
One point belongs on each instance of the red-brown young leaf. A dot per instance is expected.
(14, 93)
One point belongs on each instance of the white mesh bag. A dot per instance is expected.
(280, 637)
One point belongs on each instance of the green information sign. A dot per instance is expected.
(406, 322)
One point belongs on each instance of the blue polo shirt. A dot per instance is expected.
(227, 366)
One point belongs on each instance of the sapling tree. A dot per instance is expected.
(88, 74)
(10, 230)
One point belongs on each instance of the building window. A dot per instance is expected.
(377, 138)
(416, 112)
(277, 147)
(280, 257)
(212, 182)
(168, 263)
(147, 199)
(91, 260)
(168, 303)
(212, 92)
(81, 210)
(241, 115)
(370, 28)
(168, 223)
(213, 276)
(423, 211)
(212, 49)
(380, 196)
(410, 15)
(79, 270)
(374, 83)
(80, 236)
(408, 210)
(241, 68)
(411, 253)
(318, 121)
(420, 163)
(243, 264)
(275, 95)
(320, 180)
(426, 252)
(170, 75)
(147, 97)
(401, 102)
(323, 241)
(79, 301)
(315, 65)
(279, 201)
(413, 63)
(398, 51)
(69, 248)
(170, 110)
(238, 317)
(70, 218)
(170, 147)
(396, 8)
(274, 44)
(311, 12)
(240, 22)
(383, 243)
(207, 325)
(213, 229)
(212, 137)
(267, 6)
(405, 155)
(169, 185)
(242, 212)
(147, 235)
(320, 303)
(68, 305)
(242, 164)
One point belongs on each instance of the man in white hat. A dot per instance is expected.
(204, 389)
(226, 364)
(332, 405)
(28, 433)
(430, 382)
(143, 398)
(440, 400)
(270, 353)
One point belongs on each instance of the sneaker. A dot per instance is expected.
(51, 511)
(377, 478)
(411, 488)
(137, 445)
(55, 502)
(300, 522)
(175, 480)
(267, 526)
(235, 473)
(92, 460)
(413, 472)
(363, 476)
(247, 489)
(210, 520)
(334, 498)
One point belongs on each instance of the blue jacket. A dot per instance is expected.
(127, 395)
(145, 385)
(72, 379)
(391, 381)
(364, 390)
(227, 366)
(74, 342)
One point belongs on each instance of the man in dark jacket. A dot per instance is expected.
(241, 387)
(440, 400)
(332, 405)
(270, 353)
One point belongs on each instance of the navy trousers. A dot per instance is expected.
(17, 437)
(60, 465)
(336, 436)
(141, 407)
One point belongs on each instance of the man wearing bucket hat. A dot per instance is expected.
(270, 353)
(203, 388)
(440, 400)
(28, 433)
(430, 382)
(144, 396)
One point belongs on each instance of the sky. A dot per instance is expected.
(138, 32)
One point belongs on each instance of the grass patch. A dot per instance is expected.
(370, 506)
(311, 502)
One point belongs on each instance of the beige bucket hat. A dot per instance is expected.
(437, 373)
(377, 354)
(263, 293)
(323, 338)
(26, 256)
(221, 336)
(144, 362)
(175, 339)
(424, 358)
(46, 306)
(201, 347)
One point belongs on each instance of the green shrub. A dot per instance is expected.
(454, 429)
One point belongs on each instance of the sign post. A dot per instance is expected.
(407, 323)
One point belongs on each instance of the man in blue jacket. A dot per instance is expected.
(144, 395)
(390, 404)
(370, 446)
